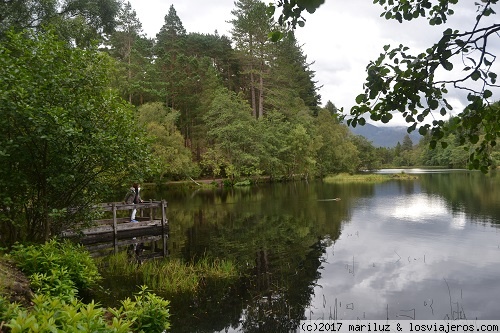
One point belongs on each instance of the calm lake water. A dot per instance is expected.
(427, 248)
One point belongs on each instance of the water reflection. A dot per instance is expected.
(409, 252)
(425, 249)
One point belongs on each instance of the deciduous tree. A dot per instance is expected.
(410, 84)
(66, 136)
(79, 21)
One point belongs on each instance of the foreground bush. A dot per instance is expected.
(57, 268)
(57, 272)
(146, 313)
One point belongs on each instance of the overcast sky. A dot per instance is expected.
(340, 38)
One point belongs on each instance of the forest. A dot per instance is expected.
(90, 103)
(243, 105)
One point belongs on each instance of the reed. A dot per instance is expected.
(170, 275)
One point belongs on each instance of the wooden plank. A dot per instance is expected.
(108, 207)
(110, 221)
(110, 228)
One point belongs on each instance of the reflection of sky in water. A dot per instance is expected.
(406, 254)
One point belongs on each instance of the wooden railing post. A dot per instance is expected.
(115, 229)
(151, 210)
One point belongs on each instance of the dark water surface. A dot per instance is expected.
(426, 249)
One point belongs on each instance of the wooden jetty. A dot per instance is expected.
(115, 232)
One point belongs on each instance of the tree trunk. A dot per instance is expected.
(252, 78)
(129, 70)
(252, 90)
(261, 91)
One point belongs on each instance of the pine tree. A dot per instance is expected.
(131, 49)
(251, 27)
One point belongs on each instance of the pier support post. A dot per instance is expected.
(163, 226)
(115, 229)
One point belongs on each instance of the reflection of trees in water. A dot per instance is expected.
(278, 256)
(280, 295)
(273, 234)
(472, 193)
(269, 297)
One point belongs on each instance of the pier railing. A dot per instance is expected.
(116, 231)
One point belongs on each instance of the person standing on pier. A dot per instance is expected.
(133, 197)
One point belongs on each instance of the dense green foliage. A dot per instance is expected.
(67, 137)
(145, 313)
(63, 266)
(77, 21)
(57, 271)
(243, 111)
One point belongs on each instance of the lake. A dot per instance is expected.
(427, 248)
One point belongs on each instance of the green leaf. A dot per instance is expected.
(447, 65)
(386, 118)
(493, 77)
(448, 31)
(487, 94)
(275, 36)
(360, 98)
(475, 75)
(433, 104)
(270, 10)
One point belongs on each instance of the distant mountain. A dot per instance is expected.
(385, 136)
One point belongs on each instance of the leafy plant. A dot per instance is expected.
(150, 312)
(8, 310)
(56, 283)
(146, 313)
(54, 314)
(57, 266)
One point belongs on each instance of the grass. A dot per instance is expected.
(366, 178)
(170, 275)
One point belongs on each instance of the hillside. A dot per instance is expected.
(384, 136)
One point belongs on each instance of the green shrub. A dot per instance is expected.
(150, 311)
(54, 314)
(57, 266)
(146, 313)
(56, 283)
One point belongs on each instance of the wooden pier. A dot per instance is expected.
(115, 232)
